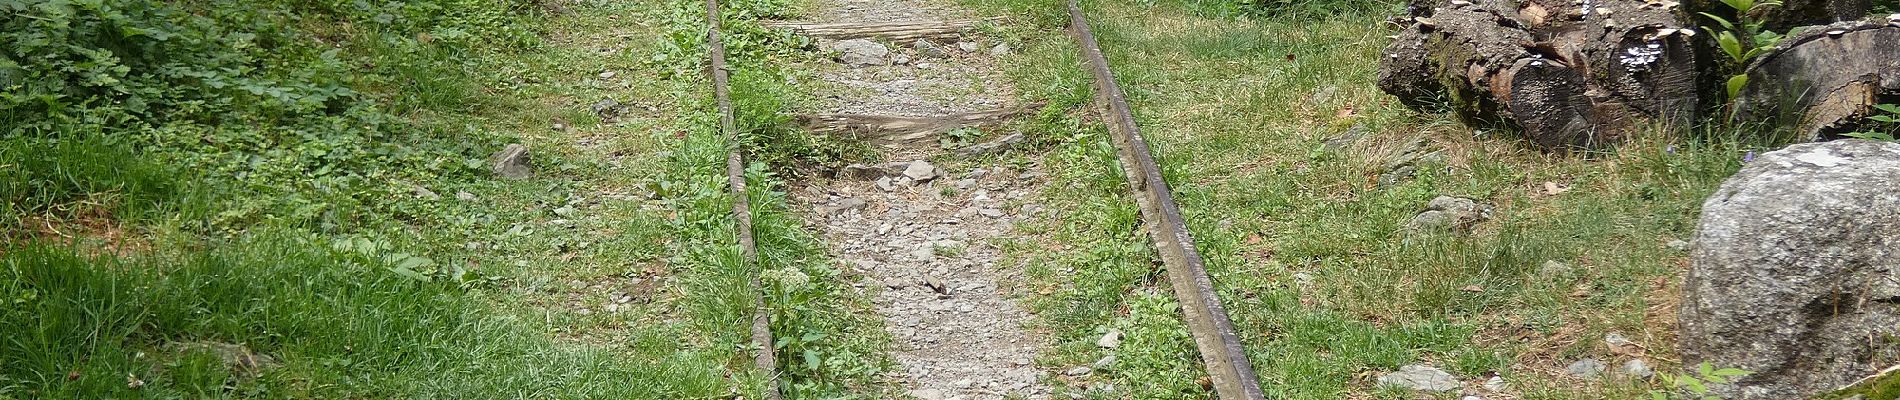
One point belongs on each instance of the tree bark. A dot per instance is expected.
(1579, 74)
(1569, 75)
(1824, 81)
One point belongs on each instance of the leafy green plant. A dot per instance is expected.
(1743, 39)
(1695, 385)
(1882, 126)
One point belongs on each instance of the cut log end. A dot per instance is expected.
(1824, 82)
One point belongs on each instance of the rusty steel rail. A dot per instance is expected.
(1221, 351)
(766, 360)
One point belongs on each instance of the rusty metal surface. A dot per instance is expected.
(1221, 351)
(766, 361)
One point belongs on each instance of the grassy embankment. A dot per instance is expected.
(1305, 245)
(306, 180)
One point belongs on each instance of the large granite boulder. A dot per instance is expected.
(1796, 271)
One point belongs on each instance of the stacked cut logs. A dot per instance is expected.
(1584, 73)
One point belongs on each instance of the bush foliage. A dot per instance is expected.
(306, 108)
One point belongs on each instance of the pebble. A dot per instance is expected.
(1678, 245)
(920, 171)
(1494, 383)
(967, 47)
(1638, 368)
(1110, 340)
(1586, 368)
(1000, 50)
(1616, 340)
(1079, 371)
(1420, 377)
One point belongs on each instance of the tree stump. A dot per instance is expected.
(1824, 81)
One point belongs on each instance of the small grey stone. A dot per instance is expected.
(967, 47)
(1079, 371)
(607, 109)
(966, 184)
(1450, 213)
(936, 285)
(1303, 279)
(861, 52)
(1678, 245)
(920, 171)
(927, 49)
(1495, 384)
(965, 384)
(1638, 368)
(1586, 368)
(1552, 268)
(1616, 340)
(465, 196)
(1110, 340)
(842, 206)
(1000, 50)
(425, 193)
(511, 162)
(900, 59)
(1104, 363)
(991, 212)
(885, 184)
(1420, 377)
(608, 75)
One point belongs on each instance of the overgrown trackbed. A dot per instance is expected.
(924, 233)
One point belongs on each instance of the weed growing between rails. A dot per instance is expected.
(825, 349)
(1256, 121)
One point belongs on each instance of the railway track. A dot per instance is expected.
(1223, 355)
(765, 360)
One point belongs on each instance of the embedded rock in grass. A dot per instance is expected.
(1586, 368)
(920, 171)
(1420, 377)
(235, 356)
(1450, 213)
(861, 52)
(511, 162)
(1637, 368)
(927, 49)
(1796, 266)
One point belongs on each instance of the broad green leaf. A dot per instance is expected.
(1889, 108)
(1735, 84)
(1740, 5)
(811, 360)
(1705, 370)
(415, 263)
(1884, 118)
(1731, 45)
(410, 273)
(1719, 20)
(1731, 372)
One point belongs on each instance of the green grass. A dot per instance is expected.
(1307, 249)
(611, 274)
(340, 324)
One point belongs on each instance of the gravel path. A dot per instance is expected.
(923, 236)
